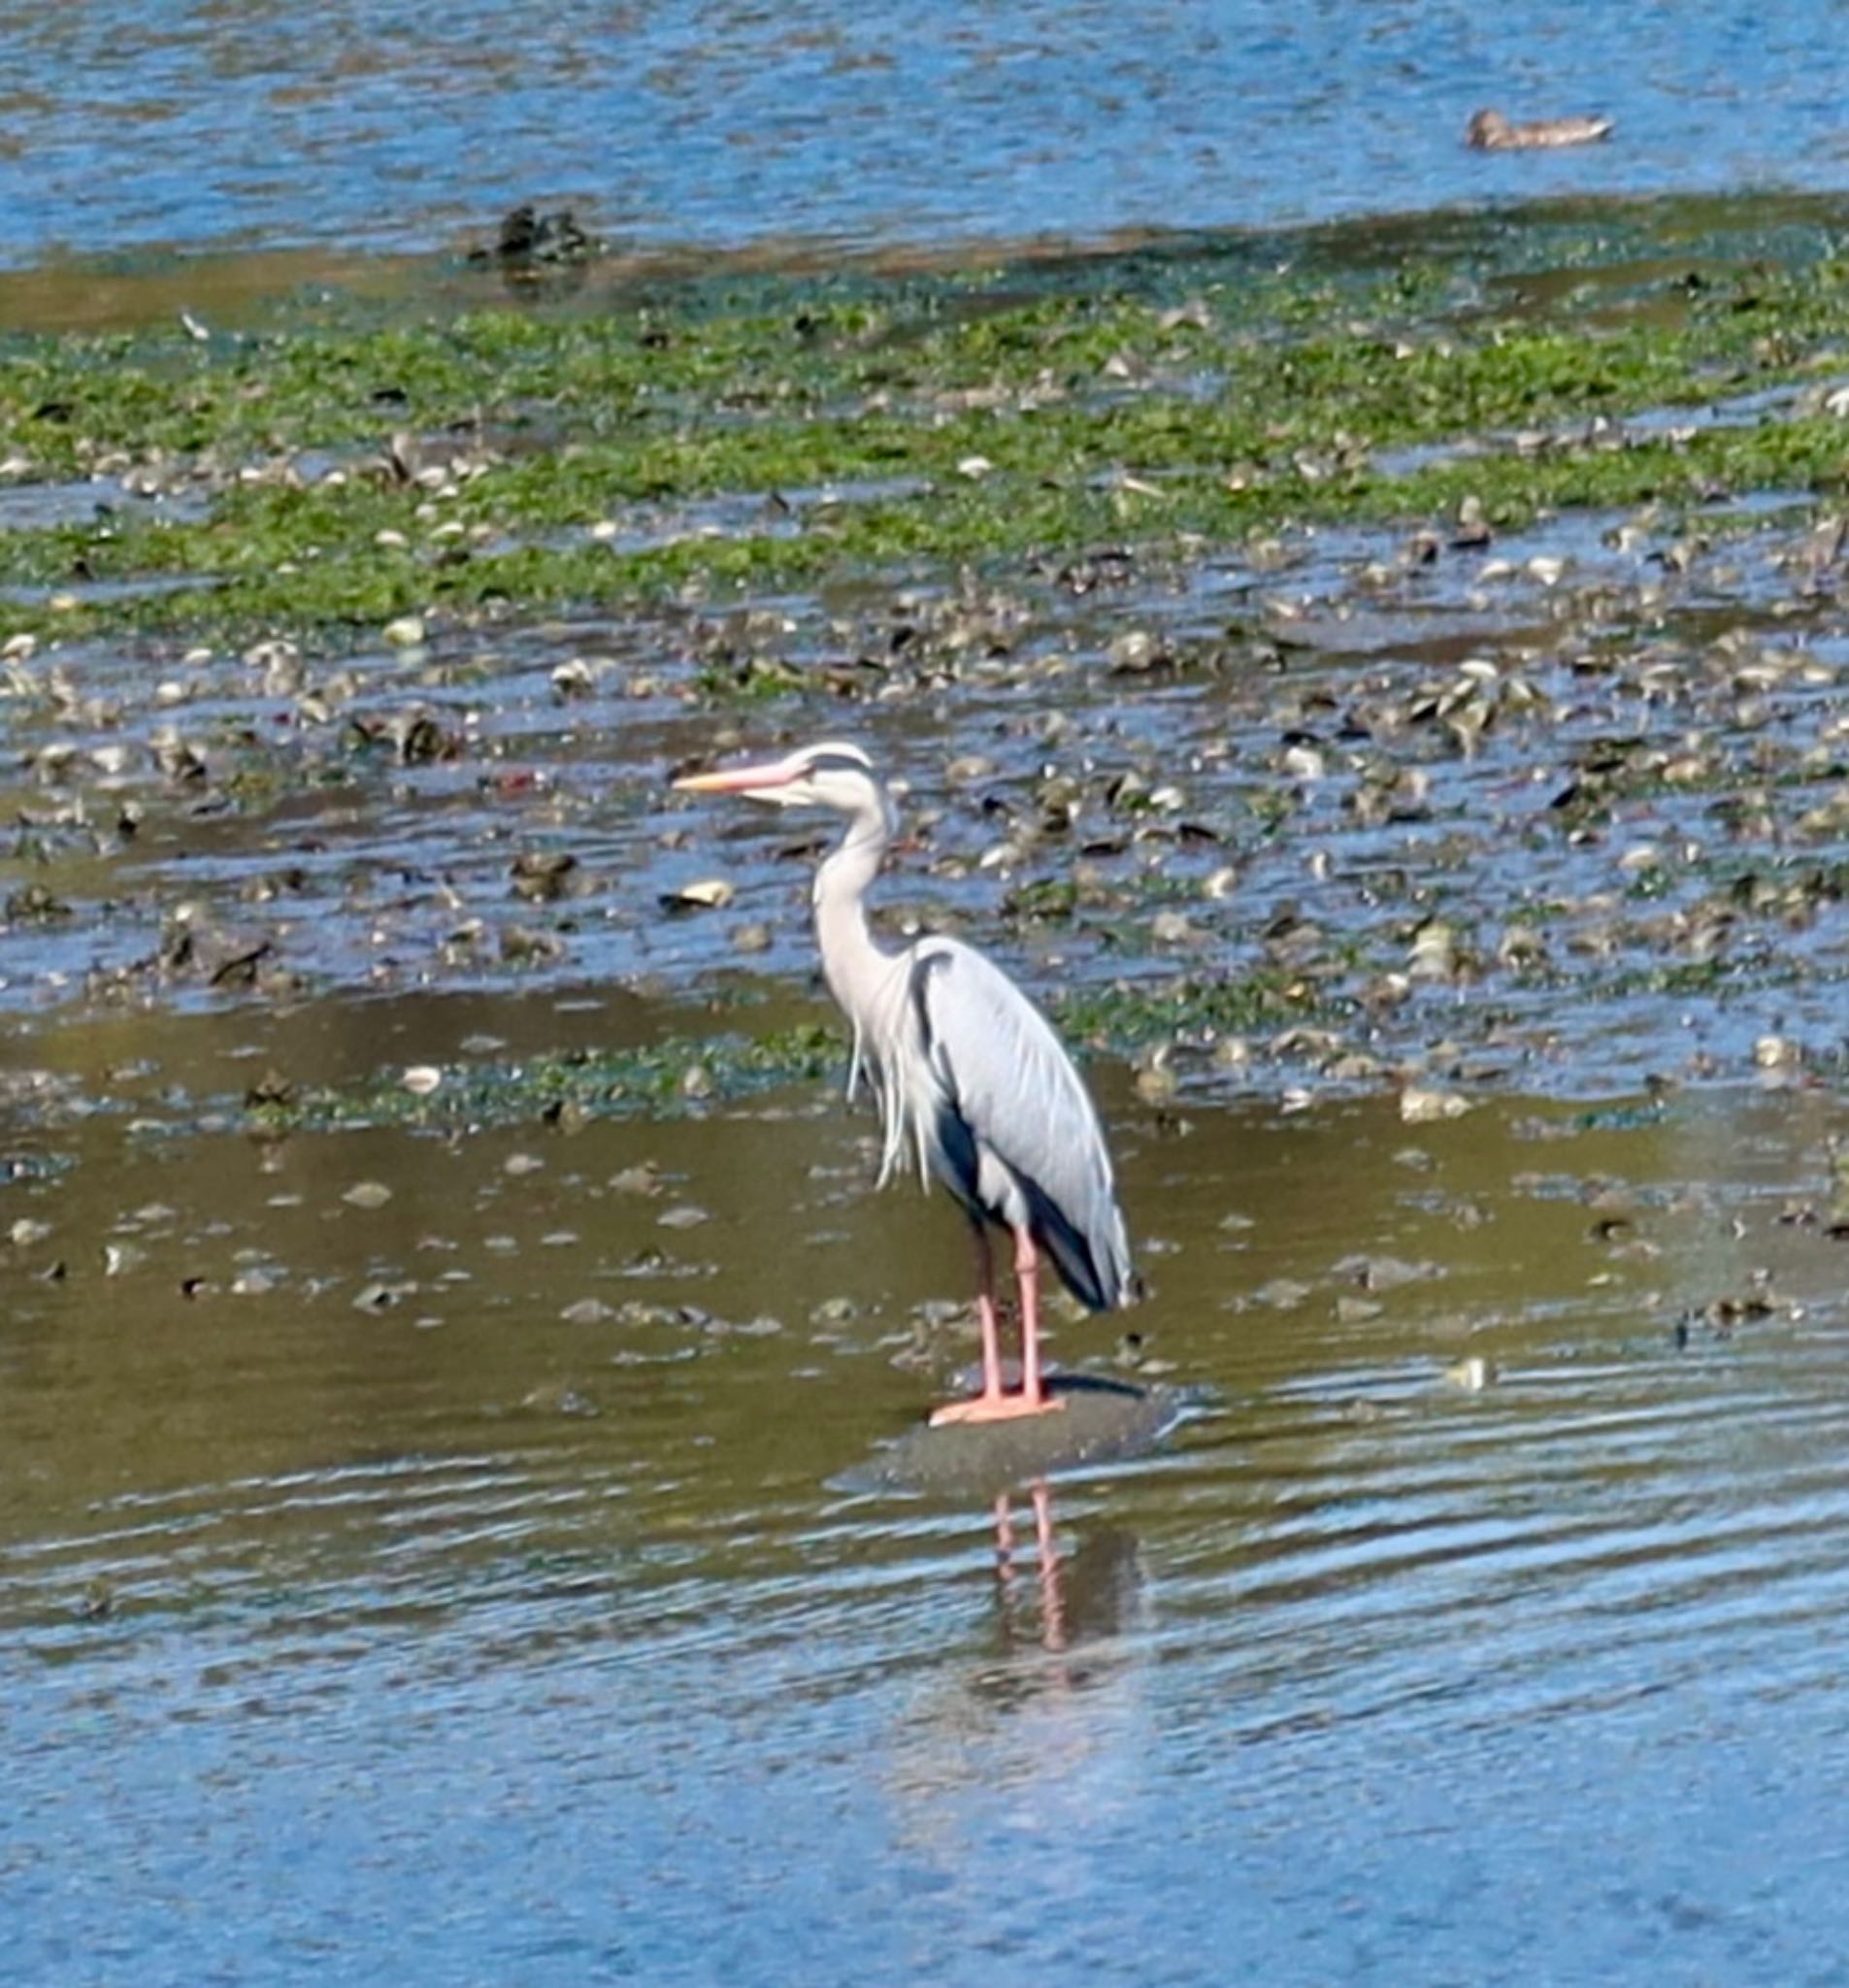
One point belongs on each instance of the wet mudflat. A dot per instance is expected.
(1336, 679)
(459, 1397)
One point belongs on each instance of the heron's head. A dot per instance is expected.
(831, 775)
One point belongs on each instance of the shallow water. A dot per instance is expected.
(721, 127)
(401, 1613)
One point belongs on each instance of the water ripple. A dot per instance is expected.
(717, 126)
(1356, 1651)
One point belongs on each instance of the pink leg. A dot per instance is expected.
(985, 1314)
(1027, 1274)
(994, 1403)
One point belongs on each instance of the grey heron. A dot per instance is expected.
(973, 1084)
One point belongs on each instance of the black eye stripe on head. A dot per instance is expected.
(836, 762)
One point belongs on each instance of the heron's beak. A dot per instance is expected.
(739, 779)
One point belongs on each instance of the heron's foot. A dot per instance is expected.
(995, 1408)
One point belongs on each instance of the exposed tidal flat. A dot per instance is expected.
(1328, 651)
(1379, 685)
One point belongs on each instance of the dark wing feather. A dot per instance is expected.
(1005, 1078)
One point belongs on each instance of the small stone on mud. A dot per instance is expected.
(1419, 1106)
(644, 1179)
(589, 1311)
(1472, 528)
(518, 1165)
(559, 1401)
(407, 631)
(542, 875)
(1135, 652)
(421, 1079)
(379, 1296)
(1156, 1082)
(685, 1215)
(1170, 928)
(520, 942)
(1383, 1273)
(368, 1194)
(710, 894)
(1472, 1373)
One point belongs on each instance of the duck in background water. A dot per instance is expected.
(1491, 131)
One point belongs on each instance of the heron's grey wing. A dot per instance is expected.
(1006, 1075)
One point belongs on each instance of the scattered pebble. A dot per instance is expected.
(379, 1296)
(589, 1311)
(1419, 1106)
(710, 894)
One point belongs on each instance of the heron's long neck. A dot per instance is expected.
(852, 960)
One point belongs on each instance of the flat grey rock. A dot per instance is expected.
(1101, 1421)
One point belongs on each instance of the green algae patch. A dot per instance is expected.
(1127, 1019)
(320, 477)
(670, 1078)
(685, 1074)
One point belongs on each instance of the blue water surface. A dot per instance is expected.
(133, 124)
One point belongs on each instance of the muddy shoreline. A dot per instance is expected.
(1310, 676)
